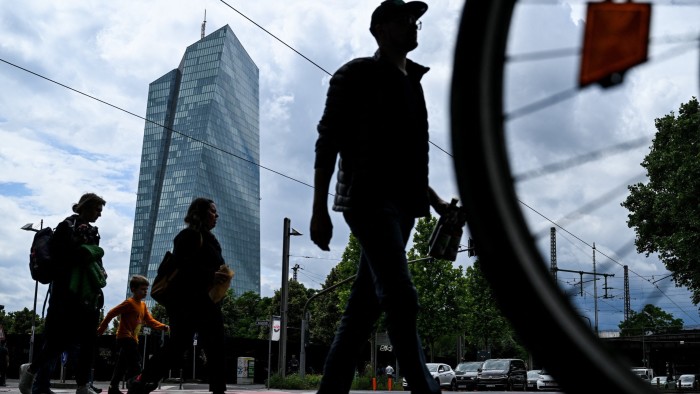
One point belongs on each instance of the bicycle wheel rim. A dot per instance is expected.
(560, 340)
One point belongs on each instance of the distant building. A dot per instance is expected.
(202, 139)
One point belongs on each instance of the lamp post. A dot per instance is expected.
(284, 294)
(30, 227)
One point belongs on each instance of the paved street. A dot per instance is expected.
(166, 388)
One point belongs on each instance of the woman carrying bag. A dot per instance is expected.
(196, 308)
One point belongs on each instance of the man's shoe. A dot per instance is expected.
(114, 390)
(26, 379)
(85, 389)
(95, 389)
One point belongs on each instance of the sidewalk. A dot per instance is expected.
(174, 388)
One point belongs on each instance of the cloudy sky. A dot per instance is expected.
(75, 75)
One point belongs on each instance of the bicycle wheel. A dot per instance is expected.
(486, 130)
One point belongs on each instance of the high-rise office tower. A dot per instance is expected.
(201, 139)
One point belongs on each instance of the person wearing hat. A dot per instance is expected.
(376, 120)
(72, 316)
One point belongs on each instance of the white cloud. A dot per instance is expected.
(58, 144)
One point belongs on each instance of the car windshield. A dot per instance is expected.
(533, 374)
(432, 367)
(687, 378)
(468, 367)
(498, 365)
(544, 372)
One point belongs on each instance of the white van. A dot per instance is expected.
(645, 373)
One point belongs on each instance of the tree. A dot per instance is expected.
(20, 322)
(242, 313)
(327, 308)
(298, 295)
(650, 320)
(665, 212)
(485, 326)
(442, 291)
(159, 313)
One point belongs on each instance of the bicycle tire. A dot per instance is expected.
(579, 361)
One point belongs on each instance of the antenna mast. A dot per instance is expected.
(204, 23)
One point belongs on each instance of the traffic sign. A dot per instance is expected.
(262, 323)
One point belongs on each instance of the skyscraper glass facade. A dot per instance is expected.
(201, 139)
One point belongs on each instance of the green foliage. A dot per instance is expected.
(442, 292)
(241, 314)
(20, 322)
(485, 326)
(651, 320)
(665, 212)
(295, 382)
(327, 308)
(158, 312)
(298, 295)
(311, 382)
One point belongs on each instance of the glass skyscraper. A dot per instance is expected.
(202, 139)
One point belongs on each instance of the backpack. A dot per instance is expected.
(40, 265)
(163, 289)
(40, 257)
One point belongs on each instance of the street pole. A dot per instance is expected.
(30, 227)
(269, 352)
(284, 294)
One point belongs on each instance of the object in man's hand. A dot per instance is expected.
(446, 236)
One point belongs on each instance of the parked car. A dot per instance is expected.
(502, 373)
(532, 376)
(546, 382)
(443, 374)
(687, 382)
(466, 374)
(663, 382)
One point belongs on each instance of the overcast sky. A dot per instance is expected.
(56, 143)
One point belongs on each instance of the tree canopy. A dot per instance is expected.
(327, 308)
(650, 320)
(665, 211)
(442, 291)
(20, 322)
(485, 326)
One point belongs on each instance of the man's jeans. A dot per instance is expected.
(383, 284)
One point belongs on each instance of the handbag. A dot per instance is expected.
(163, 289)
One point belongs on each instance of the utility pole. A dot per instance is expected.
(627, 294)
(595, 291)
(295, 269)
(553, 252)
(284, 293)
(595, 294)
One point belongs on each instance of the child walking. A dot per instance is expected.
(133, 314)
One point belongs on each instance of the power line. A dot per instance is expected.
(157, 124)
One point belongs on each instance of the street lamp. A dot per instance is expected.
(288, 231)
(30, 227)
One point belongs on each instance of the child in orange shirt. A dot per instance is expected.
(133, 314)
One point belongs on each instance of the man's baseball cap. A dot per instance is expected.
(390, 9)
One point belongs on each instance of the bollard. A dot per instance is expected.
(374, 384)
(388, 383)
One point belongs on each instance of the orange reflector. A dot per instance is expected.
(616, 39)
